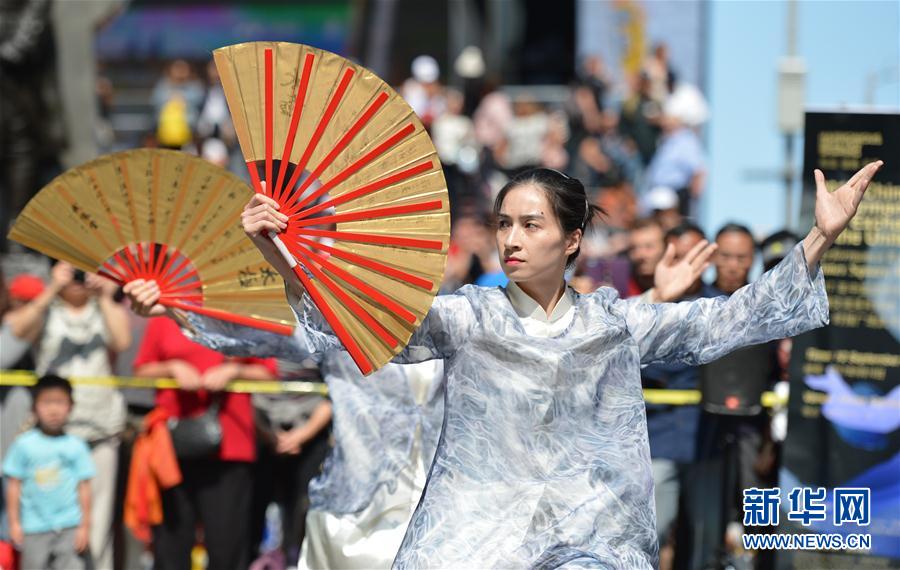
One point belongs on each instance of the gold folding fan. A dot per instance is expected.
(350, 163)
(162, 215)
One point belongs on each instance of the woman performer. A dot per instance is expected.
(543, 460)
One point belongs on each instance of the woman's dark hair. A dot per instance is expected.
(566, 195)
(51, 382)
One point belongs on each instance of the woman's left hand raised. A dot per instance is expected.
(834, 210)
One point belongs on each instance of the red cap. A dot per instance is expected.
(25, 287)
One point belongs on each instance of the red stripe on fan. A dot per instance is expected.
(230, 317)
(351, 304)
(377, 239)
(344, 141)
(191, 298)
(362, 362)
(270, 103)
(109, 268)
(103, 272)
(171, 272)
(145, 269)
(320, 128)
(181, 289)
(369, 264)
(372, 214)
(254, 178)
(168, 272)
(295, 119)
(160, 257)
(188, 275)
(133, 261)
(371, 292)
(347, 172)
(178, 283)
(126, 268)
(367, 189)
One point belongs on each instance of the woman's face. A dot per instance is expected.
(530, 239)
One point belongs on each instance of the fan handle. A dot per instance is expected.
(282, 249)
(230, 317)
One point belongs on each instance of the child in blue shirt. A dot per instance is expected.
(48, 492)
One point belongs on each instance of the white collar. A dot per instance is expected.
(526, 307)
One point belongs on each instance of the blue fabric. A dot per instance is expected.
(544, 457)
(375, 418)
(375, 423)
(50, 469)
(673, 430)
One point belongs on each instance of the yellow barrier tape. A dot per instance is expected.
(26, 378)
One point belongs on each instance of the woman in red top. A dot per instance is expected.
(214, 490)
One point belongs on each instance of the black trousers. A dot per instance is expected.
(215, 495)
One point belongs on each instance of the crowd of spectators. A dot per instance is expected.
(638, 149)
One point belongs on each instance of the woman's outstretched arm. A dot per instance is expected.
(229, 338)
(788, 300)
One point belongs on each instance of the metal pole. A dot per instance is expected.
(788, 179)
(789, 136)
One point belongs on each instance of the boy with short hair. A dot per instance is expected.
(48, 493)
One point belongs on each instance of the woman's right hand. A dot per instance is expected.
(144, 296)
(261, 216)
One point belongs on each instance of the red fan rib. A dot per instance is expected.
(160, 257)
(112, 272)
(140, 254)
(367, 189)
(371, 292)
(371, 214)
(270, 88)
(320, 128)
(347, 172)
(376, 239)
(350, 303)
(349, 343)
(254, 178)
(176, 286)
(126, 182)
(299, 100)
(414, 280)
(344, 141)
(230, 317)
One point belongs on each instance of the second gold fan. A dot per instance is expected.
(161, 215)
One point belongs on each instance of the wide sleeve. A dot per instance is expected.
(246, 342)
(444, 329)
(784, 302)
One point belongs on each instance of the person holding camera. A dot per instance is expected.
(75, 327)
